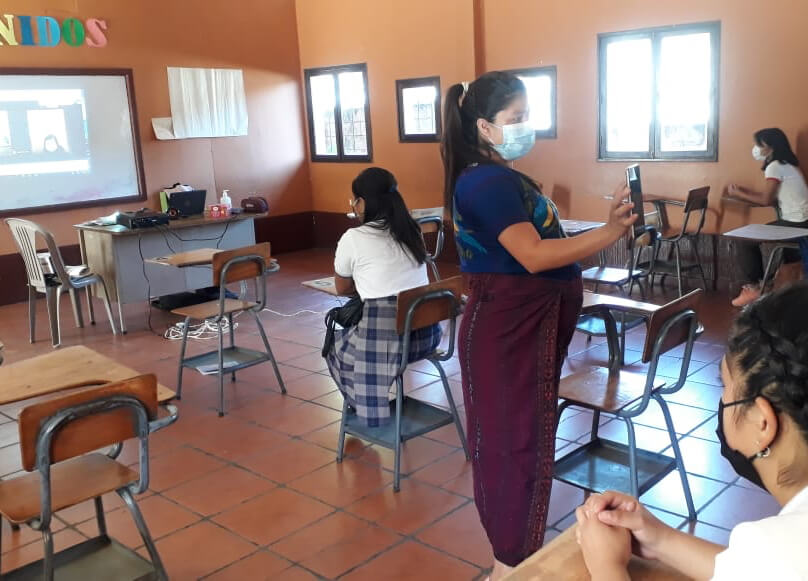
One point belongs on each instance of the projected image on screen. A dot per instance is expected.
(43, 132)
(66, 139)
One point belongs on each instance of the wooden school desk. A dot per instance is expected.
(63, 369)
(782, 236)
(561, 560)
(119, 254)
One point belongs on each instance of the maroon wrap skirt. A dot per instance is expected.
(513, 340)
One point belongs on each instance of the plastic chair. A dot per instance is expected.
(696, 203)
(240, 264)
(602, 464)
(417, 308)
(52, 285)
(58, 438)
(433, 224)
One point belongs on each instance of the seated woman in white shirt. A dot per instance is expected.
(786, 189)
(377, 260)
(763, 430)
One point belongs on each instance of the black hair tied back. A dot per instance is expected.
(769, 345)
(385, 209)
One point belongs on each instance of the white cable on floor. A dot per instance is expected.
(203, 331)
(298, 313)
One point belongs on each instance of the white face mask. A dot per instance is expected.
(758, 154)
(517, 140)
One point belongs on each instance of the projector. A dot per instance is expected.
(141, 219)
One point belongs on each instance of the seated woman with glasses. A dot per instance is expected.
(377, 260)
(763, 430)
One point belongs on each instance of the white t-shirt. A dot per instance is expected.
(379, 265)
(770, 549)
(792, 196)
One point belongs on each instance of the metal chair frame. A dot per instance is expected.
(432, 257)
(143, 428)
(697, 201)
(261, 292)
(53, 285)
(633, 410)
(625, 323)
(372, 434)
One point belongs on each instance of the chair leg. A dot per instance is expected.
(109, 308)
(677, 454)
(399, 405)
(99, 516)
(52, 299)
(31, 314)
(595, 424)
(561, 407)
(341, 441)
(47, 560)
(183, 345)
(74, 302)
(269, 352)
(632, 458)
(120, 311)
(221, 367)
(452, 407)
(622, 339)
(698, 262)
(232, 337)
(129, 500)
(90, 308)
(678, 257)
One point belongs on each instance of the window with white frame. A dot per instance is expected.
(338, 113)
(659, 93)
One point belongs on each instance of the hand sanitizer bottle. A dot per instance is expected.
(226, 201)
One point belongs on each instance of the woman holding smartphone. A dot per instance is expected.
(524, 299)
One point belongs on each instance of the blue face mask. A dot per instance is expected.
(517, 140)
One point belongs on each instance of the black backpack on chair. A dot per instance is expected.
(347, 315)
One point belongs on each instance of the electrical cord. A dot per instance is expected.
(205, 330)
(148, 284)
(164, 230)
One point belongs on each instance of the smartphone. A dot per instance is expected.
(635, 185)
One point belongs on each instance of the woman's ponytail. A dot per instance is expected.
(452, 142)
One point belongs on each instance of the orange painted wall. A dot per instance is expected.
(397, 39)
(258, 36)
(761, 85)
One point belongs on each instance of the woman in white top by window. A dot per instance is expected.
(377, 260)
(787, 191)
(763, 430)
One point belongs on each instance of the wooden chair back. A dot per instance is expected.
(697, 199)
(243, 271)
(91, 432)
(678, 333)
(429, 312)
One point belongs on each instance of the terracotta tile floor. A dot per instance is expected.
(258, 494)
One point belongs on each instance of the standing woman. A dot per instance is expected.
(785, 189)
(524, 301)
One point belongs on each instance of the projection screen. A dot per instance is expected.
(68, 138)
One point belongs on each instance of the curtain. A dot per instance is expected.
(207, 102)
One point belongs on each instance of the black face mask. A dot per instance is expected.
(741, 464)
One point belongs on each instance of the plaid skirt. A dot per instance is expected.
(366, 358)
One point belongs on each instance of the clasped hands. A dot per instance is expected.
(610, 527)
